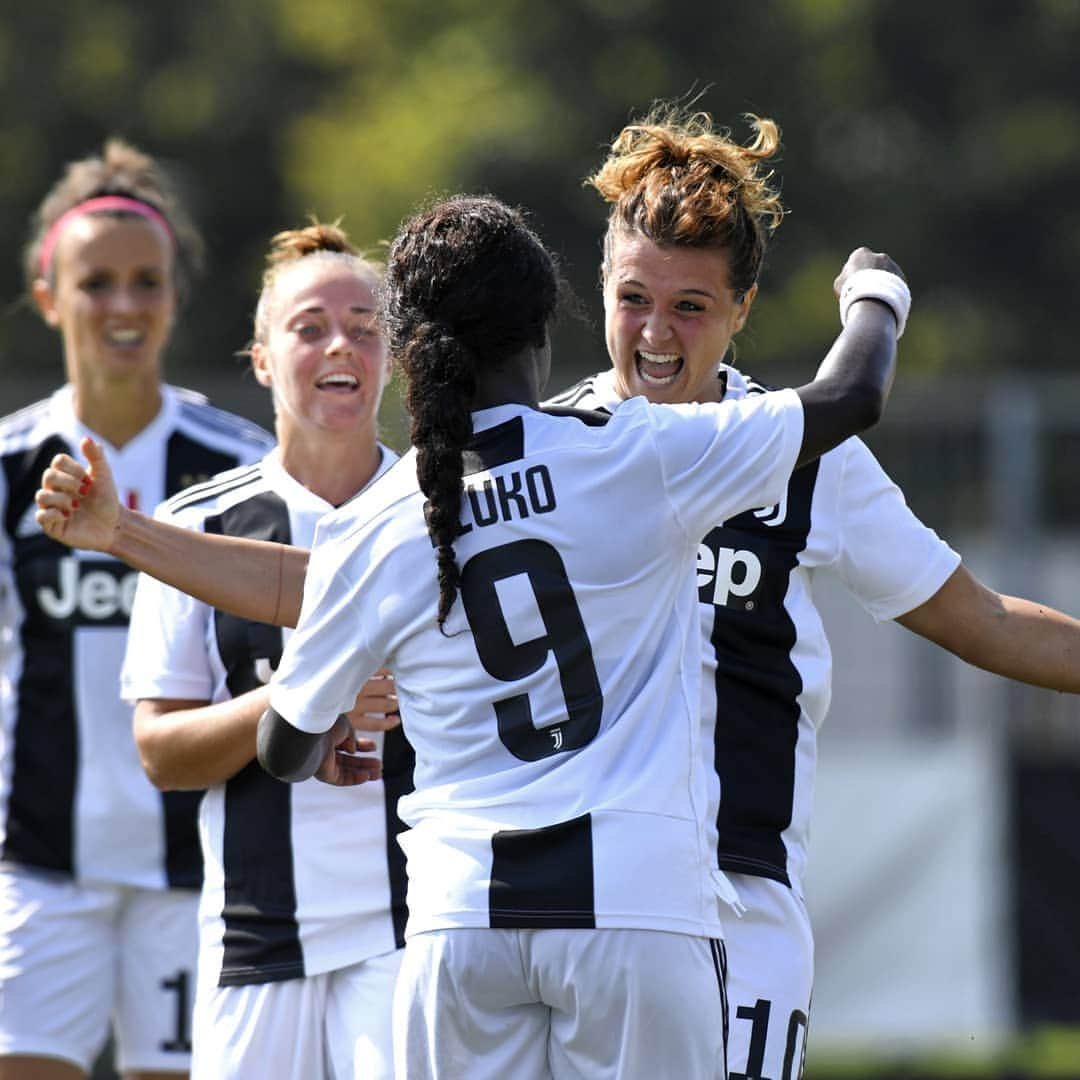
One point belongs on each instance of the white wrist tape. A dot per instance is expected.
(873, 284)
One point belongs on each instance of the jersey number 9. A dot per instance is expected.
(564, 636)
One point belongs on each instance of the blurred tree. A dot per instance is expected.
(949, 138)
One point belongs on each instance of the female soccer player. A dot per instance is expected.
(691, 212)
(299, 929)
(98, 871)
(563, 900)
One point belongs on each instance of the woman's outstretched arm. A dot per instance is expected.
(254, 579)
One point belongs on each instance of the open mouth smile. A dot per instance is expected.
(658, 369)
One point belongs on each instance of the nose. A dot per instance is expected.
(340, 344)
(656, 328)
(124, 300)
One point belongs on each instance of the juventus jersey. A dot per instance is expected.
(767, 665)
(559, 778)
(73, 795)
(299, 879)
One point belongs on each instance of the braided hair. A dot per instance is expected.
(468, 287)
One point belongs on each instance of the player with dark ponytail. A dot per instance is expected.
(468, 254)
(556, 823)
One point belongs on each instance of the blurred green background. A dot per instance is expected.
(947, 134)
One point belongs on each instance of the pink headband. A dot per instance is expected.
(102, 202)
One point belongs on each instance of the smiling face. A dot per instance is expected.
(112, 297)
(323, 355)
(669, 316)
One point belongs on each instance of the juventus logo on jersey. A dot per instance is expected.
(773, 515)
(556, 738)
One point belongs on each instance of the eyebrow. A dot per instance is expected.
(681, 292)
(316, 309)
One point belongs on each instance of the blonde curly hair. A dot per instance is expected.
(677, 179)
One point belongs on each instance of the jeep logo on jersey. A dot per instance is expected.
(91, 592)
(729, 576)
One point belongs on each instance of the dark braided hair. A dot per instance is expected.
(468, 287)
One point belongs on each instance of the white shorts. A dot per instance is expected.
(75, 956)
(332, 1026)
(770, 952)
(535, 1004)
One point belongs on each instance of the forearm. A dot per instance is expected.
(254, 579)
(852, 384)
(1007, 635)
(188, 747)
(1027, 642)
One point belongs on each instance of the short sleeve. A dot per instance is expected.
(326, 661)
(887, 557)
(166, 653)
(721, 459)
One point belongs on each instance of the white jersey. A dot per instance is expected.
(299, 879)
(559, 777)
(73, 795)
(768, 668)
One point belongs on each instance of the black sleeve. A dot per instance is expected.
(285, 752)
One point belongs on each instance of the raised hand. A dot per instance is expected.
(77, 504)
(864, 259)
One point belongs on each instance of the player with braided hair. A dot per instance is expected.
(691, 212)
(300, 935)
(549, 682)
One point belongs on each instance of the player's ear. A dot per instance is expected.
(742, 310)
(260, 364)
(45, 301)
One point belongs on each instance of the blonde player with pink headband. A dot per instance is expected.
(99, 872)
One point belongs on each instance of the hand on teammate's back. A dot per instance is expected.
(376, 707)
(345, 763)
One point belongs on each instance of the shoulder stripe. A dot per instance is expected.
(755, 386)
(226, 423)
(218, 485)
(23, 420)
(596, 417)
(574, 394)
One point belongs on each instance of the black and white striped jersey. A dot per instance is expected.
(299, 879)
(768, 667)
(560, 780)
(73, 795)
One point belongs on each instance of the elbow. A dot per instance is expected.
(867, 405)
(283, 751)
(156, 766)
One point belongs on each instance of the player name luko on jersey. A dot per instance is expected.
(509, 496)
